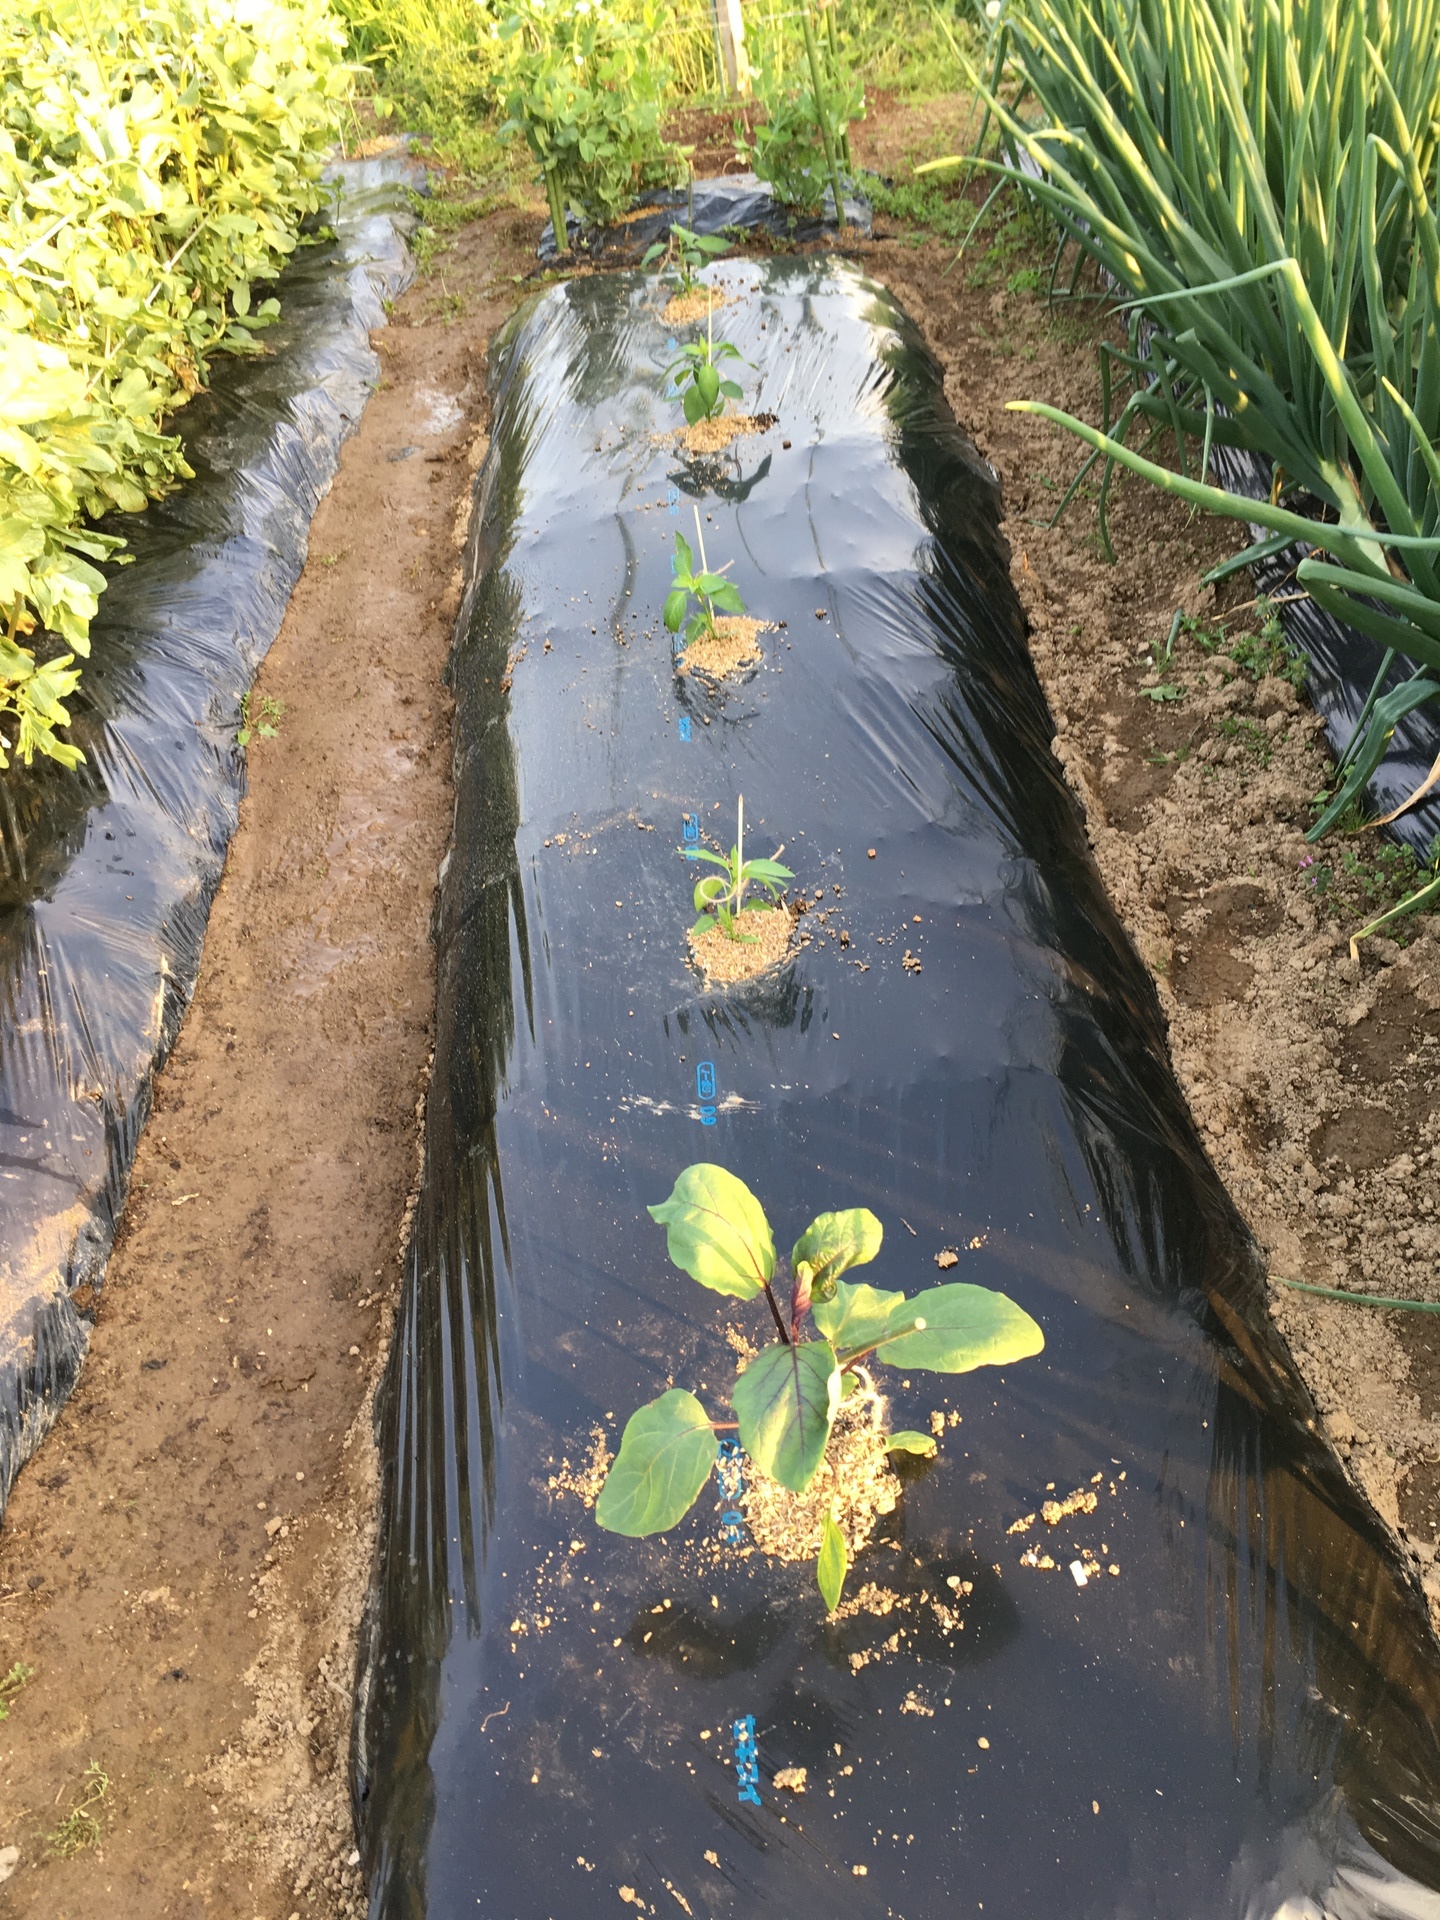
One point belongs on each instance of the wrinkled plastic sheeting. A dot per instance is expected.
(1343, 664)
(969, 1046)
(106, 875)
(739, 200)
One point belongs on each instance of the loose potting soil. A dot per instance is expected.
(1129, 1645)
(106, 874)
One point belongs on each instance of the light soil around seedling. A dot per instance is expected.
(766, 942)
(733, 646)
(856, 1484)
(684, 309)
(713, 436)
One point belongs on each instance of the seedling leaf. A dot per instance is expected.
(717, 1232)
(727, 598)
(666, 1454)
(785, 1401)
(909, 1441)
(965, 1327)
(831, 1567)
(833, 1242)
(676, 602)
(857, 1317)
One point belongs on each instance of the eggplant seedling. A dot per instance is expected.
(786, 1398)
(712, 590)
(719, 897)
(684, 253)
(696, 372)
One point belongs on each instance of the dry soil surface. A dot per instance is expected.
(183, 1563)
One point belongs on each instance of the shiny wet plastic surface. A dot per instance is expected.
(1243, 1714)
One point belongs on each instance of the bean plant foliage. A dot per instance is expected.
(785, 1400)
(156, 163)
(584, 86)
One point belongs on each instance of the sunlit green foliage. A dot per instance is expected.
(1260, 181)
(155, 166)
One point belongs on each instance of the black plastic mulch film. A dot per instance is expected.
(1342, 666)
(737, 201)
(1243, 1720)
(106, 875)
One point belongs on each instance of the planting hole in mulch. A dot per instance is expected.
(713, 436)
(684, 309)
(734, 645)
(765, 935)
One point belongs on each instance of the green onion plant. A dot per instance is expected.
(1258, 177)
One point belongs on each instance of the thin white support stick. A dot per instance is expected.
(739, 853)
(700, 536)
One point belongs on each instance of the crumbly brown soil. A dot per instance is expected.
(764, 941)
(183, 1562)
(207, 1664)
(734, 645)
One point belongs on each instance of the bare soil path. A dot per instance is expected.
(182, 1564)
(186, 1599)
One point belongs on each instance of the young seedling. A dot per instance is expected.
(696, 373)
(712, 590)
(719, 897)
(786, 1398)
(684, 253)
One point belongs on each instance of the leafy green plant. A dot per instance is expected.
(156, 164)
(803, 141)
(695, 370)
(685, 253)
(584, 85)
(786, 1398)
(720, 897)
(1259, 181)
(712, 590)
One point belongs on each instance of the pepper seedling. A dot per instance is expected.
(719, 897)
(786, 1398)
(696, 373)
(684, 253)
(712, 590)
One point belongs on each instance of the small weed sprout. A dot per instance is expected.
(11, 1684)
(712, 590)
(81, 1827)
(696, 373)
(720, 897)
(684, 253)
(262, 726)
(786, 1398)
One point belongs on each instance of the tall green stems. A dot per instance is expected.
(557, 210)
(822, 114)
